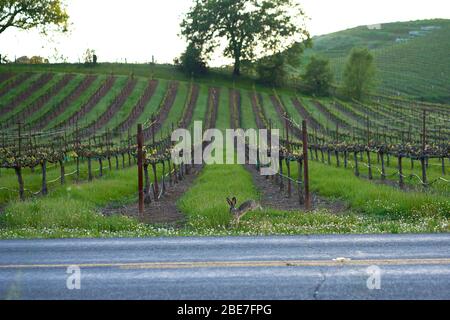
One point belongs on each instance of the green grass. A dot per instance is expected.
(72, 211)
(371, 198)
(208, 213)
(205, 203)
(271, 113)
(74, 206)
(223, 112)
(247, 116)
(201, 106)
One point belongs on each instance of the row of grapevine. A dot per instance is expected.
(58, 109)
(14, 82)
(28, 92)
(158, 119)
(112, 109)
(36, 105)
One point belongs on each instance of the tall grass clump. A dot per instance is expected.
(205, 202)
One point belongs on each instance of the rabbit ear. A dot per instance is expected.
(229, 202)
(234, 201)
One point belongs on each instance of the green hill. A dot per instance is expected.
(412, 58)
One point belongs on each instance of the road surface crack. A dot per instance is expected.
(319, 285)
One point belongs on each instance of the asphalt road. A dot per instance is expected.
(304, 267)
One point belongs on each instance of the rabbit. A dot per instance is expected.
(246, 207)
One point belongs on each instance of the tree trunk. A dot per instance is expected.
(237, 67)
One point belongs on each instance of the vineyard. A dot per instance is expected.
(68, 135)
(412, 58)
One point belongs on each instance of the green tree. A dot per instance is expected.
(250, 29)
(29, 14)
(273, 70)
(318, 76)
(191, 61)
(359, 73)
(88, 57)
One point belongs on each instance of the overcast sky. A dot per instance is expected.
(138, 29)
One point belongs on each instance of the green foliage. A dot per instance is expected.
(90, 58)
(29, 14)
(191, 61)
(271, 70)
(249, 28)
(359, 73)
(318, 76)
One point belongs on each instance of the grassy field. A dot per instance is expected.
(411, 60)
(73, 211)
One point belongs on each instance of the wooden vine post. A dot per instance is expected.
(129, 148)
(305, 166)
(288, 167)
(424, 144)
(61, 160)
(140, 142)
(90, 176)
(400, 172)
(336, 151)
(77, 147)
(368, 150)
(18, 168)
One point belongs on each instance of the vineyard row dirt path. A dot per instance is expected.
(165, 210)
(271, 196)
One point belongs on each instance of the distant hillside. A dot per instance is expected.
(412, 58)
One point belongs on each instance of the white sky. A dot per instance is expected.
(138, 29)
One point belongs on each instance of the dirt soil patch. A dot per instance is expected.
(164, 211)
(273, 198)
